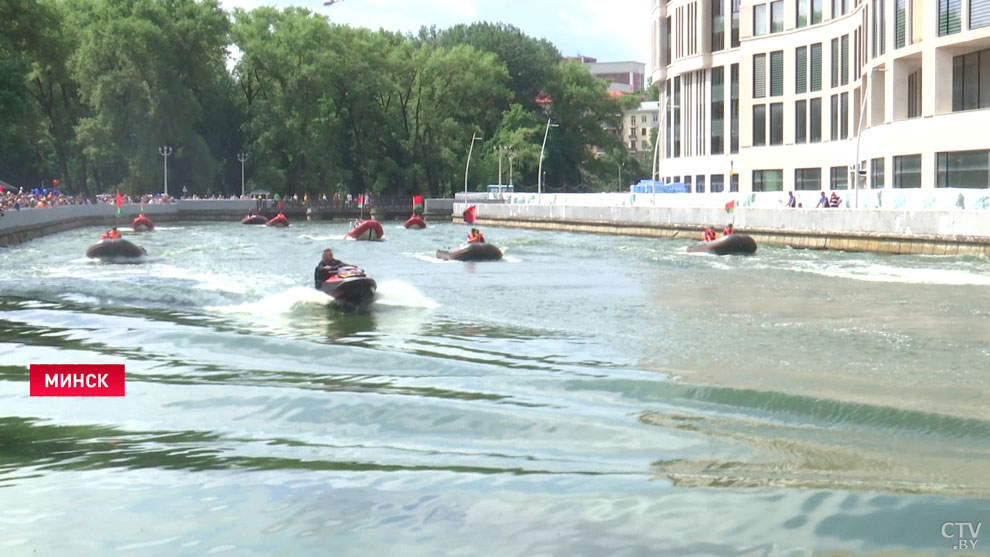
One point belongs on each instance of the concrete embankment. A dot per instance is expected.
(26, 224)
(929, 232)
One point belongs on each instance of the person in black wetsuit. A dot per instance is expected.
(327, 267)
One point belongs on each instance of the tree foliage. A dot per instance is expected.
(90, 90)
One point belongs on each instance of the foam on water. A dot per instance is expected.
(321, 238)
(878, 272)
(280, 303)
(398, 293)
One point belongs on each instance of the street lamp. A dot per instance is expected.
(165, 151)
(512, 155)
(859, 130)
(474, 137)
(661, 129)
(500, 149)
(539, 172)
(242, 157)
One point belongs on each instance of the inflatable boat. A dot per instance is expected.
(141, 223)
(255, 219)
(115, 249)
(278, 220)
(366, 230)
(351, 289)
(416, 222)
(733, 244)
(471, 252)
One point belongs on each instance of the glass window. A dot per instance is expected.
(734, 109)
(876, 173)
(800, 122)
(844, 58)
(759, 125)
(844, 115)
(768, 180)
(759, 76)
(835, 118)
(962, 169)
(979, 13)
(776, 123)
(718, 110)
(949, 17)
(835, 63)
(815, 121)
(839, 178)
(735, 23)
(734, 183)
(907, 171)
(808, 179)
(816, 11)
(802, 14)
(760, 20)
(718, 25)
(816, 67)
(718, 183)
(777, 16)
(777, 73)
(801, 70)
(699, 183)
(900, 23)
(677, 116)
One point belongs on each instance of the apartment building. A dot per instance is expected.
(784, 95)
(638, 125)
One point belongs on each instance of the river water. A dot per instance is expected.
(587, 395)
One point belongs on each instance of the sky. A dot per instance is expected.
(609, 30)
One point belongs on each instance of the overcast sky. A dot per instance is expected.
(609, 30)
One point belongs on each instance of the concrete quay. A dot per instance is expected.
(922, 231)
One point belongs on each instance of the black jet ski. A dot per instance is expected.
(351, 289)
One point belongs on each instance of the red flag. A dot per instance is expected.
(730, 206)
(469, 215)
(361, 200)
(120, 200)
(417, 201)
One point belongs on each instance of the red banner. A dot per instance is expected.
(120, 200)
(77, 379)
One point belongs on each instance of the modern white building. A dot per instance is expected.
(787, 95)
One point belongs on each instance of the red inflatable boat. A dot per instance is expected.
(366, 230)
(141, 223)
(278, 220)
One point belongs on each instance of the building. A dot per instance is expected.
(624, 77)
(771, 95)
(638, 125)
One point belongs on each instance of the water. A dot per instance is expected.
(587, 395)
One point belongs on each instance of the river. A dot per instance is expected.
(586, 395)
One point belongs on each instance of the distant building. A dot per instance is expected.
(638, 125)
(625, 77)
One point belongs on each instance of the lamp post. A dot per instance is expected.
(500, 149)
(512, 155)
(859, 131)
(165, 151)
(242, 156)
(655, 176)
(474, 137)
(539, 174)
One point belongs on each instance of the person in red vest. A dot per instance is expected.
(476, 237)
(729, 229)
(709, 234)
(112, 234)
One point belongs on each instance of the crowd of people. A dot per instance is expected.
(21, 198)
(824, 202)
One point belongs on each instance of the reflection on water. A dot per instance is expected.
(652, 401)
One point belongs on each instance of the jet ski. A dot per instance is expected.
(471, 252)
(733, 244)
(351, 289)
(366, 230)
(141, 223)
(115, 249)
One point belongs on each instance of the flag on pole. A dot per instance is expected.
(361, 200)
(469, 215)
(730, 206)
(418, 203)
(120, 203)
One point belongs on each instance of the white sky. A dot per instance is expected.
(609, 30)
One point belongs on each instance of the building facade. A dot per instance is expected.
(781, 95)
(624, 77)
(638, 129)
